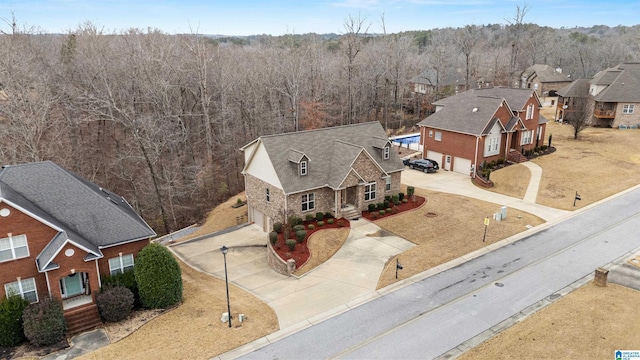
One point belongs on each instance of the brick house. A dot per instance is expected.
(339, 170)
(613, 94)
(482, 125)
(60, 235)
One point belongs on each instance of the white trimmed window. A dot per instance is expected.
(120, 264)
(492, 146)
(25, 288)
(385, 153)
(370, 191)
(13, 247)
(438, 136)
(628, 109)
(529, 112)
(387, 186)
(308, 202)
(303, 168)
(527, 137)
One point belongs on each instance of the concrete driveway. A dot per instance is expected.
(346, 280)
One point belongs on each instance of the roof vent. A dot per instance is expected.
(475, 110)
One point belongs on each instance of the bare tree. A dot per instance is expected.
(517, 27)
(355, 28)
(467, 39)
(579, 114)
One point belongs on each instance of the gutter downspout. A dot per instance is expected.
(475, 159)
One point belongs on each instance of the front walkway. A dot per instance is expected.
(348, 279)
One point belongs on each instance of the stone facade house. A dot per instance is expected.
(545, 80)
(339, 170)
(60, 234)
(482, 125)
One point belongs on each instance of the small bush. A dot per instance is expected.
(543, 148)
(44, 322)
(341, 223)
(410, 191)
(310, 227)
(500, 161)
(400, 196)
(277, 227)
(387, 197)
(330, 221)
(158, 276)
(320, 223)
(405, 200)
(395, 199)
(308, 218)
(128, 280)
(382, 212)
(298, 227)
(386, 204)
(395, 209)
(389, 210)
(294, 220)
(319, 216)
(115, 303)
(291, 244)
(328, 215)
(380, 206)
(239, 201)
(273, 237)
(11, 331)
(300, 235)
(371, 207)
(374, 215)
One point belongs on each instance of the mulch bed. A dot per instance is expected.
(301, 253)
(413, 202)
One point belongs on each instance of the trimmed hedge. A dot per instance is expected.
(273, 237)
(300, 235)
(126, 279)
(410, 191)
(320, 223)
(372, 207)
(115, 303)
(330, 221)
(310, 227)
(11, 330)
(328, 215)
(298, 227)
(44, 322)
(291, 244)
(319, 216)
(277, 227)
(308, 217)
(158, 276)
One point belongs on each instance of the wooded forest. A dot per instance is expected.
(160, 118)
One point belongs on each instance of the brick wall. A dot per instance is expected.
(626, 119)
(256, 192)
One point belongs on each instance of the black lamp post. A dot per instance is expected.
(576, 198)
(398, 267)
(224, 251)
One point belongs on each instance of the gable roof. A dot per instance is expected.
(516, 98)
(545, 73)
(84, 213)
(622, 83)
(577, 88)
(331, 152)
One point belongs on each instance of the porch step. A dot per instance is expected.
(516, 156)
(82, 318)
(351, 214)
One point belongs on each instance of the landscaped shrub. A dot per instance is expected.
(389, 210)
(500, 161)
(380, 206)
(395, 209)
(291, 244)
(385, 204)
(371, 207)
(328, 215)
(128, 280)
(400, 196)
(294, 220)
(273, 237)
(374, 215)
(158, 276)
(543, 148)
(11, 331)
(115, 303)
(300, 235)
(308, 218)
(319, 216)
(277, 227)
(310, 227)
(405, 200)
(410, 191)
(395, 199)
(341, 223)
(320, 223)
(387, 197)
(44, 322)
(382, 212)
(298, 227)
(330, 221)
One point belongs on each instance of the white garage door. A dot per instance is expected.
(258, 218)
(435, 156)
(462, 165)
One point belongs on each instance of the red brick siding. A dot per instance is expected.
(114, 251)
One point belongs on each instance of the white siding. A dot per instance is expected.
(261, 167)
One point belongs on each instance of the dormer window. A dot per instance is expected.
(303, 168)
(385, 152)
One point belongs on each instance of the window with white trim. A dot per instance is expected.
(527, 137)
(627, 109)
(385, 153)
(370, 191)
(303, 168)
(387, 186)
(308, 202)
(529, 112)
(438, 136)
(26, 288)
(492, 146)
(268, 195)
(13, 247)
(121, 264)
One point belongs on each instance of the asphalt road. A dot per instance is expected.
(428, 318)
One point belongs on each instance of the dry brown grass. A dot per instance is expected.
(511, 180)
(193, 330)
(456, 230)
(221, 217)
(322, 246)
(590, 323)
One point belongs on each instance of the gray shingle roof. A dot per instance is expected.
(545, 73)
(458, 113)
(623, 83)
(577, 88)
(87, 214)
(331, 153)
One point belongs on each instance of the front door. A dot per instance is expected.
(447, 163)
(72, 285)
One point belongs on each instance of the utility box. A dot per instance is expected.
(503, 212)
(600, 278)
(224, 317)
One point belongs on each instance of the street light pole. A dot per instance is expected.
(224, 251)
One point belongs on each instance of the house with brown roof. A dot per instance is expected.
(544, 79)
(339, 170)
(60, 235)
(482, 125)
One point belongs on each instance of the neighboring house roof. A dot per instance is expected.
(622, 83)
(471, 112)
(545, 74)
(422, 78)
(331, 152)
(84, 213)
(577, 88)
